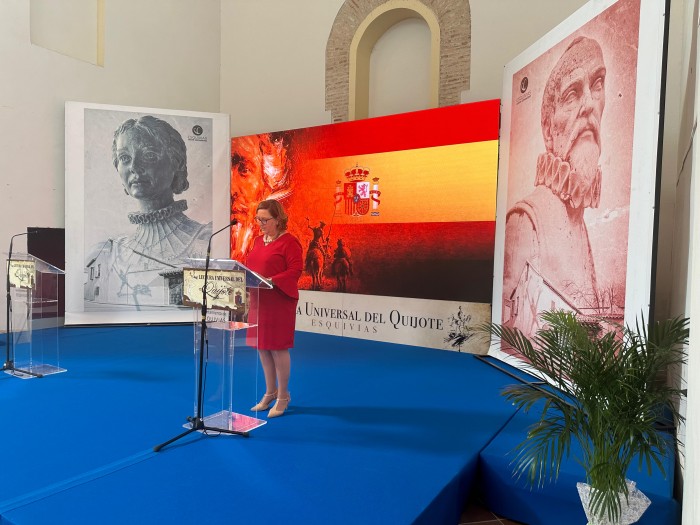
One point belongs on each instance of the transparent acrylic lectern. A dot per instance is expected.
(232, 300)
(33, 317)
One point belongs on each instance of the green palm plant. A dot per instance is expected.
(611, 395)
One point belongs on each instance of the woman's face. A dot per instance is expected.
(143, 166)
(268, 225)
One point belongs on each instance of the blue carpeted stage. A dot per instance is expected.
(377, 433)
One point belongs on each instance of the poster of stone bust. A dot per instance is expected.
(578, 169)
(140, 202)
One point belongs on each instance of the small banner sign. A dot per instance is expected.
(226, 289)
(21, 273)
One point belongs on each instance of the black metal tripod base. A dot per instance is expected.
(198, 425)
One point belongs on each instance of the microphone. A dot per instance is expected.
(233, 222)
(206, 266)
(9, 254)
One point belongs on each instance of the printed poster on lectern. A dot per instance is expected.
(21, 273)
(396, 218)
(578, 170)
(143, 195)
(226, 289)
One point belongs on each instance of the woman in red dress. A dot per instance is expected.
(277, 256)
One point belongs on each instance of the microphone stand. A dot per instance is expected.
(9, 365)
(197, 421)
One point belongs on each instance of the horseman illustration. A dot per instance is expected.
(316, 255)
(342, 265)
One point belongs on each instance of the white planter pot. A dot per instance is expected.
(632, 508)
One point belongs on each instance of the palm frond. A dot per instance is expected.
(610, 397)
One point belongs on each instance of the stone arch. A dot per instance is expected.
(358, 26)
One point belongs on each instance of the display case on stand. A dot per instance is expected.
(34, 289)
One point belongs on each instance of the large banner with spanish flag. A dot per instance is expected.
(396, 215)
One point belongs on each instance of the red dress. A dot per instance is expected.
(282, 261)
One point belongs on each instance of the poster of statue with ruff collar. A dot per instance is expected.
(140, 202)
(578, 171)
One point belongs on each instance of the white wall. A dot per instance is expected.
(83, 39)
(148, 62)
(673, 281)
(273, 59)
(670, 265)
(501, 30)
(684, 289)
(691, 431)
(278, 80)
(399, 69)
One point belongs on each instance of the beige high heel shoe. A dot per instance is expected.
(279, 408)
(264, 402)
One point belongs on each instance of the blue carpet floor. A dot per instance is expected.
(376, 433)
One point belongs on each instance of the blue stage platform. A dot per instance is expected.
(376, 433)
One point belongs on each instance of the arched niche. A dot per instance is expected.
(358, 26)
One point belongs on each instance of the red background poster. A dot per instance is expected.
(411, 197)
